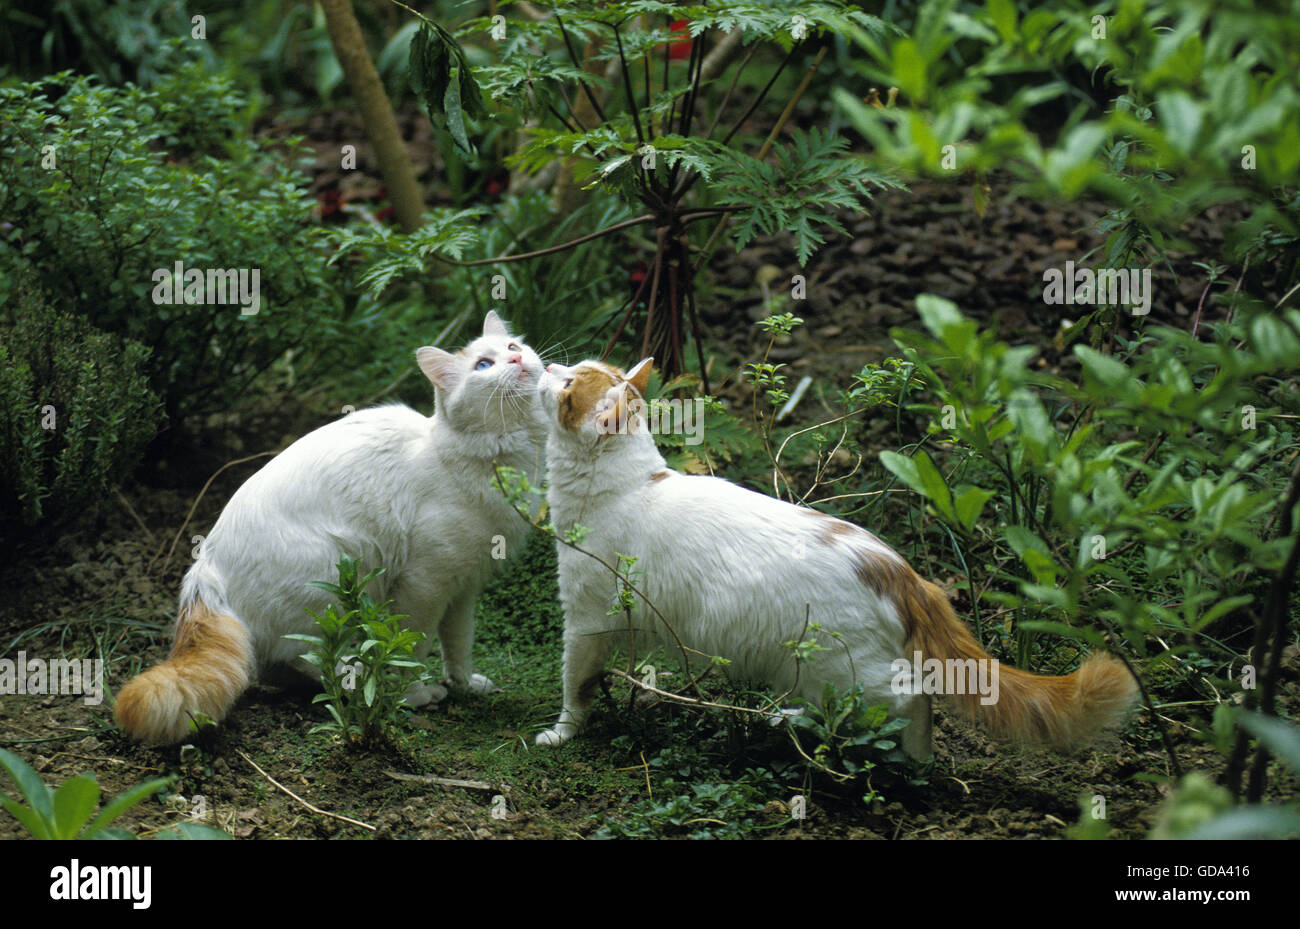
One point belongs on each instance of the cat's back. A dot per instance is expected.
(340, 471)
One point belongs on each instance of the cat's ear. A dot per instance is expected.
(442, 368)
(493, 325)
(639, 376)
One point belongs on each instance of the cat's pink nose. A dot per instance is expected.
(516, 359)
(550, 369)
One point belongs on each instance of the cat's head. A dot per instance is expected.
(490, 385)
(595, 401)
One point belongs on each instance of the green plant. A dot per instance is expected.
(696, 799)
(76, 413)
(104, 217)
(65, 813)
(848, 739)
(365, 658)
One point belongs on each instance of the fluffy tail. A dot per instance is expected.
(209, 667)
(1060, 711)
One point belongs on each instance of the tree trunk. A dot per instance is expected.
(376, 112)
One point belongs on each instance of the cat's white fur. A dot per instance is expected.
(740, 574)
(397, 489)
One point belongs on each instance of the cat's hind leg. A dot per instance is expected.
(918, 736)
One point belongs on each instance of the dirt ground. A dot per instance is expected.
(109, 588)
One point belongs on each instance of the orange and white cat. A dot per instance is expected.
(738, 574)
(397, 489)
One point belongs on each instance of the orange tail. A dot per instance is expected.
(1060, 711)
(209, 667)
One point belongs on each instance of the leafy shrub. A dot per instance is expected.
(75, 414)
(365, 658)
(96, 208)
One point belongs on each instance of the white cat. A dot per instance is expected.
(738, 574)
(387, 485)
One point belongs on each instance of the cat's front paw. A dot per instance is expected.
(473, 684)
(480, 684)
(557, 736)
(419, 694)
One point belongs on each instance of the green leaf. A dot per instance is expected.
(909, 70)
(123, 802)
(1258, 821)
(968, 503)
(1104, 369)
(1003, 15)
(74, 802)
(38, 827)
(38, 796)
(919, 473)
(113, 834)
(442, 78)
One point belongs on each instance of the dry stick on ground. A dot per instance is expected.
(314, 809)
(376, 112)
(440, 781)
(194, 506)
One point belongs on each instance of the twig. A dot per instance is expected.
(195, 505)
(635, 221)
(689, 701)
(440, 781)
(1155, 717)
(314, 809)
(568, 44)
(121, 497)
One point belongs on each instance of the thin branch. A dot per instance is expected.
(1155, 717)
(314, 809)
(546, 251)
(195, 504)
(591, 97)
(722, 107)
(620, 576)
(627, 86)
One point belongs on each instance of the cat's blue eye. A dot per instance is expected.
(483, 364)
